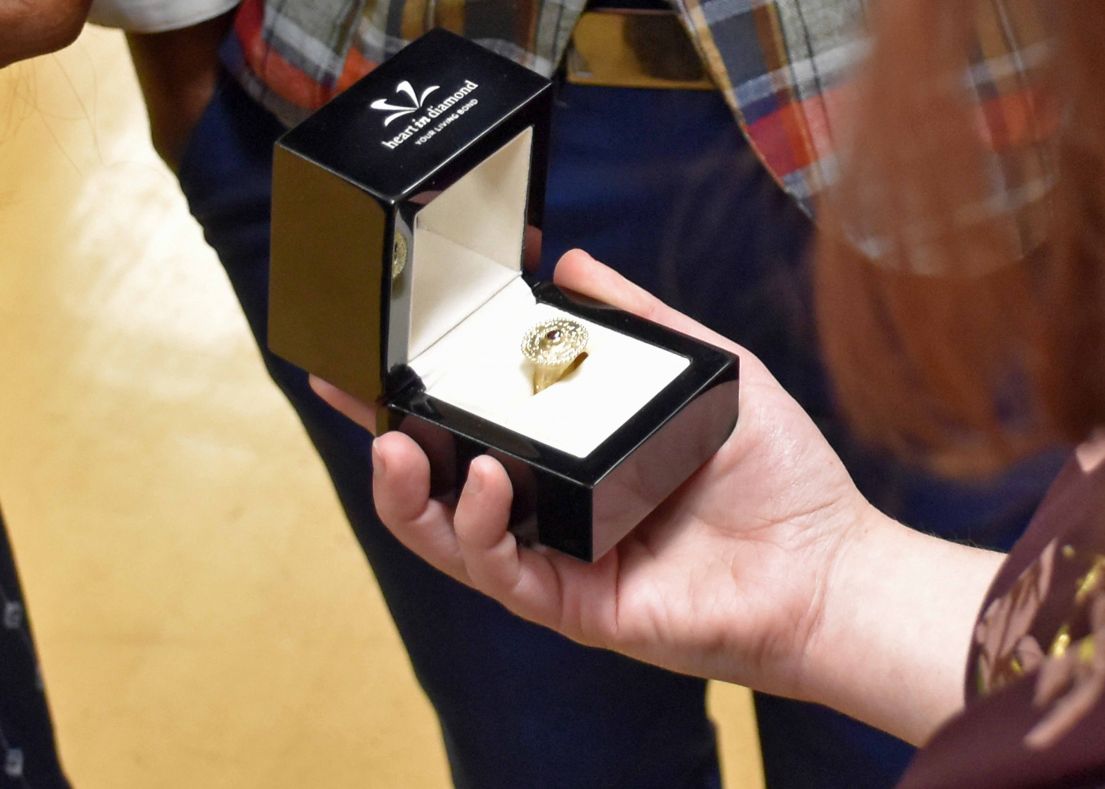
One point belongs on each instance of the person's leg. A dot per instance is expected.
(662, 186)
(28, 753)
(519, 706)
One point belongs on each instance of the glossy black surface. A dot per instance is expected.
(341, 194)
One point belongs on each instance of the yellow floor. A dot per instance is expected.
(204, 616)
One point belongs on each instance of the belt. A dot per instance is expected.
(634, 48)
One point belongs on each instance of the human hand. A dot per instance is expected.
(725, 579)
(30, 29)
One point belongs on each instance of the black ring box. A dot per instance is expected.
(398, 219)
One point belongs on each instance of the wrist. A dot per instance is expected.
(895, 624)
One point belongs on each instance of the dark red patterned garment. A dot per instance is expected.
(1035, 712)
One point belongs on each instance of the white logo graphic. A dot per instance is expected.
(399, 110)
(423, 121)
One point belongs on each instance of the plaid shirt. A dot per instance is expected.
(782, 66)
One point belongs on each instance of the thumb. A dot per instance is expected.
(576, 270)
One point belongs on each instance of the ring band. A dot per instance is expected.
(555, 348)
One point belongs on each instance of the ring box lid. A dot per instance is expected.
(410, 194)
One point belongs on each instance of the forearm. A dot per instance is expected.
(896, 627)
(177, 71)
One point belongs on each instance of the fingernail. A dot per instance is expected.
(475, 479)
(379, 465)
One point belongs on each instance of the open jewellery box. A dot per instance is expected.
(398, 218)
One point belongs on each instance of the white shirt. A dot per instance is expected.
(155, 16)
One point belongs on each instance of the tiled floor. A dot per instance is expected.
(204, 615)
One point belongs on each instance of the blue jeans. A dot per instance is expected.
(660, 186)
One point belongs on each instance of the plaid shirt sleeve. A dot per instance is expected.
(294, 56)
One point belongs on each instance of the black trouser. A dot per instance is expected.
(28, 755)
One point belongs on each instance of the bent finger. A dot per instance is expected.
(533, 583)
(401, 489)
(482, 518)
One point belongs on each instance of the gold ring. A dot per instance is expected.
(555, 348)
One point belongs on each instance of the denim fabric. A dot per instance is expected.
(659, 185)
(28, 755)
